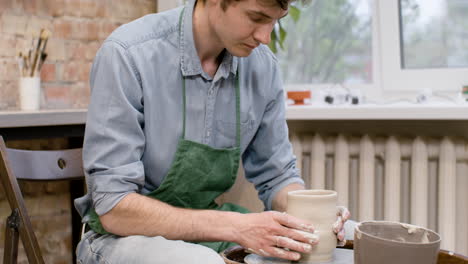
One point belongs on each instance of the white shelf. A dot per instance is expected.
(9, 119)
(378, 112)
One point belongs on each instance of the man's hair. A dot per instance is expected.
(281, 3)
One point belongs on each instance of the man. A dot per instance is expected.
(177, 99)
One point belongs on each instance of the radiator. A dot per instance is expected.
(422, 181)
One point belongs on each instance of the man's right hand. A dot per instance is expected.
(271, 233)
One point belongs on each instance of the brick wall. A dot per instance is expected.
(48, 205)
(78, 28)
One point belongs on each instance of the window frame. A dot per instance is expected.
(394, 77)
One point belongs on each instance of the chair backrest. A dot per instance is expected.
(34, 165)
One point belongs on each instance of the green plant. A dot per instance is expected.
(278, 35)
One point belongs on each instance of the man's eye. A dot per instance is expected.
(256, 19)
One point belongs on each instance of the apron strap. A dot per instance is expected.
(238, 126)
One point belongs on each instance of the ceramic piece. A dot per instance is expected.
(391, 242)
(319, 208)
(299, 97)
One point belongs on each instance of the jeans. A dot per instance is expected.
(112, 249)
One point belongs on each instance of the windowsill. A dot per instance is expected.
(379, 112)
(323, 112)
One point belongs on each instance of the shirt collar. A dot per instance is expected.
(190, 62)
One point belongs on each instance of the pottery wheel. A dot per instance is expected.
(340, 256)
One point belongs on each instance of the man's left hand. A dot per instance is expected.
(343, 215)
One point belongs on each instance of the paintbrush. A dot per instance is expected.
(21, 64)
(45, 35)
(41, 62)
(39, 50)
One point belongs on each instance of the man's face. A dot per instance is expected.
(245, 24)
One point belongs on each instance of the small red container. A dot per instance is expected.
(299, 97)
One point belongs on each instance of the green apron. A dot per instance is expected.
(198, 175)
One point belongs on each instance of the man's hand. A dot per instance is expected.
(271, 233)
(342, 216)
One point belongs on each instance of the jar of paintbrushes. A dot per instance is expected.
(30, 65)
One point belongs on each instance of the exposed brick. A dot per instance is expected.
(76, 71)
(55, 8)
(75, 50)
(7, 45)
(79, 50)
(72, 8)
(56, 50)
(5, 5)
(35, 24)
(48, 72)
(54, 233)
(58, 204)
(62, 28)
(30, 6)
(125, 11)
(147, 7)
(14, 24)
(58, 187)
(106, 29)
(81, 94)
(57, 96)
(31, 189)
(92, 8)
(22, 45)
(9, 95)
(85, 29)
(91, 50)
(71, 71)
(9, 70)
(92, 30)
(85, 68)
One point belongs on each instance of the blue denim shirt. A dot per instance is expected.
(135, 114)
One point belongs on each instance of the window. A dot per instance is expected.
(434, 33)
(330, 43)
(419, 51)
(378, 46)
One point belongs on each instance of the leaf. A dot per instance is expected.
(273, 41)
(295, 13)
(283, 35)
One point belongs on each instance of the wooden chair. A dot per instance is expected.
(32, 165)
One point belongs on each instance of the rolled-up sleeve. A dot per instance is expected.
(269, 162)
(114, 137)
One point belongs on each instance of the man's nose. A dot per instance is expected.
(263, 34)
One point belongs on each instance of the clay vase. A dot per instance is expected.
(391, 242)
(319, 208)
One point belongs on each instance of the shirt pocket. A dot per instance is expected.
(225, 133)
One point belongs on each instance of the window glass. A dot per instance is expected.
(434, 33)
(330, 43)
